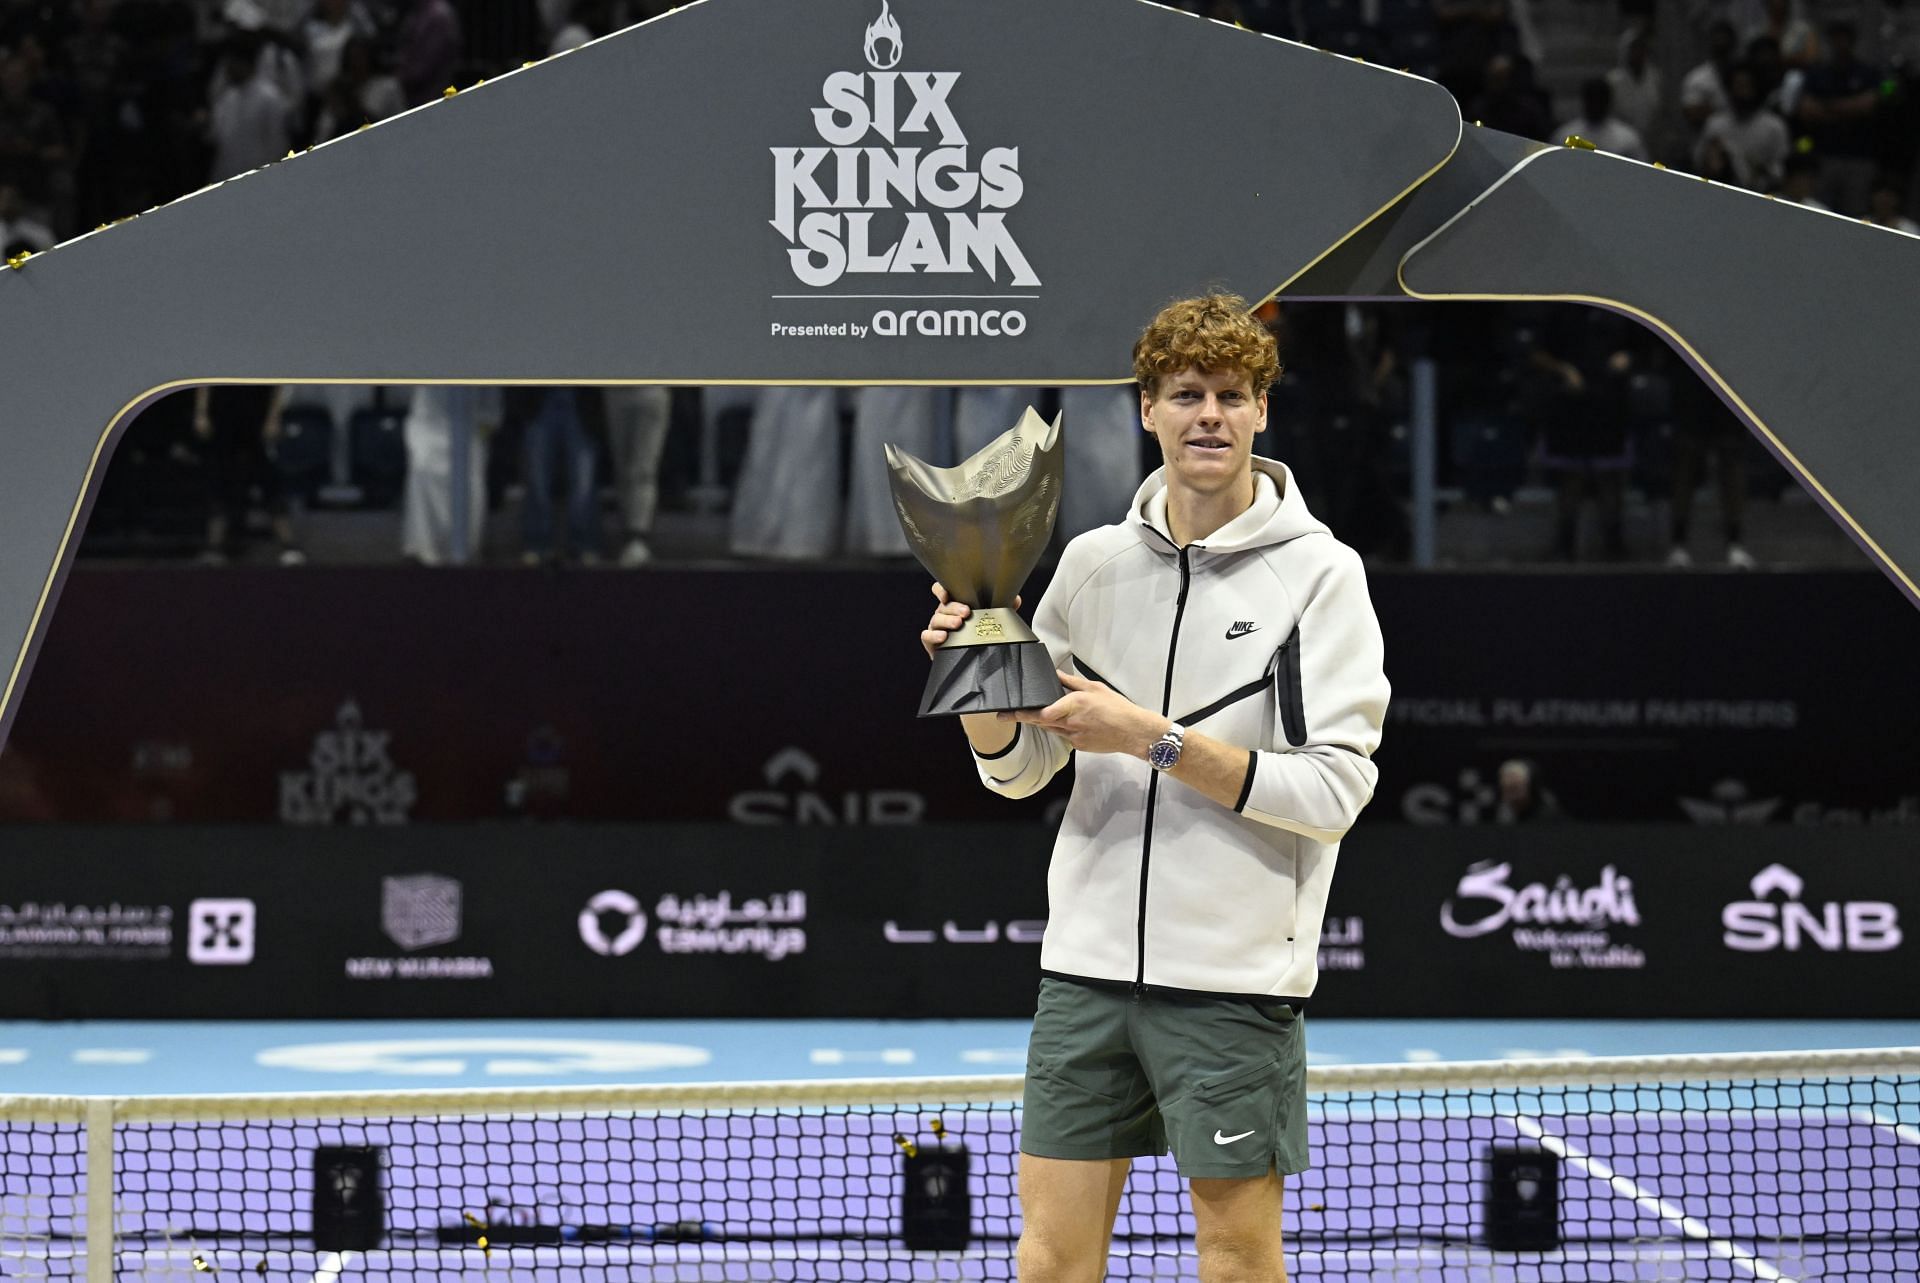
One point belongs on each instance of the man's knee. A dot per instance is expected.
(1044, 1258)
(1227, 1257)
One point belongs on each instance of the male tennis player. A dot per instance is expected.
(1224, 695)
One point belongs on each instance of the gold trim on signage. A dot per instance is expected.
(1799, 469)
(1459, 131)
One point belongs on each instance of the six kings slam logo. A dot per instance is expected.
(896, 190)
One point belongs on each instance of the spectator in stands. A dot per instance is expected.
(558, 445)
(360, 94)
(1883, 206)
(1598, 125)
(251, 121)
(1636, 87)
(1784, 24)
(1580, 359)
(34, 146)
(1780, 85)
(1799, 178)
(1755, 139)
(431, 45)
(1522, 799)
(330, 26)
(238, 427)
(1705, 429)
(1509, 101)
(1711, 161)
(1703, 92)
(438, 417)
(589, 20)
(20, 231)
(1838, 109)
(637, 422)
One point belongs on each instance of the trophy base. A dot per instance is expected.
(990, 679)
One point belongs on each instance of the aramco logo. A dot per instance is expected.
(884, 45)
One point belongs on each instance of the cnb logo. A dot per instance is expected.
(1762, 924)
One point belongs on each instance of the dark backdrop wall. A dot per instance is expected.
(785, 697)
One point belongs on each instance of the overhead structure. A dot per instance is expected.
(915, 191)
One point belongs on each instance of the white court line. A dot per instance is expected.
(1649, 1201)
(330, 1268)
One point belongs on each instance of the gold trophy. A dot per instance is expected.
(979, 528)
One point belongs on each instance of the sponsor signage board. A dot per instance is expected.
(734, 920)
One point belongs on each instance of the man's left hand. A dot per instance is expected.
(1094, 718)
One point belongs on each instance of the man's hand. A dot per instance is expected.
(947, 617)
(1093, 718)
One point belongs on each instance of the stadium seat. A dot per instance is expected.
(379, 445)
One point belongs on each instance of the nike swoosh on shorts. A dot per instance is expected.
(1218, 1139)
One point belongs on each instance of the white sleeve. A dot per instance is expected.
(1025, 766)
(1332, 692)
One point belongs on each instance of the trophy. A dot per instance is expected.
(979, 528)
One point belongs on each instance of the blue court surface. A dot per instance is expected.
(175, 1058)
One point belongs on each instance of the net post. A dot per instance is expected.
(99, 1124)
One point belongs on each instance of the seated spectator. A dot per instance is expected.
(326, 32)
(1800, 174)
(431, 45)
(1838, 110)
(1884, 205)
(1636, 86)
(1598, 125)
(359, 94)
(1788, 27)
(251, 122)
(1703, 92)
(20, 231)
(1755, 139)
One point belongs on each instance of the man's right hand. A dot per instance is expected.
(947, 616)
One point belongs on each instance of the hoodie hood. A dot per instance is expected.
(1277, 515)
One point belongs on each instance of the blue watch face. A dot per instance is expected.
(1163, 754)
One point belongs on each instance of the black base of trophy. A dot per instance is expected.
(990, 679)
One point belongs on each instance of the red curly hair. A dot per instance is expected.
(1210, 333)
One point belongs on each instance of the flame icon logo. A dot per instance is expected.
(883, 36)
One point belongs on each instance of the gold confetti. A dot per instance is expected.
(1579, 143)
(526, 64)
(15, 261)
(448, 92)
(290, 155)
(938, 1128)
(200, 1264)
(907, 1147)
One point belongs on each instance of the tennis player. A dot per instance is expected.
(1224, 696)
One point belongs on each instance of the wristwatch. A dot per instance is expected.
(1165, 752)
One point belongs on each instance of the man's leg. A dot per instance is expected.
(1237, 1229)
(1067, 1208)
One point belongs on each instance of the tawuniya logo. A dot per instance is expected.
(805, 805)
(833, 204)
(1762, 924)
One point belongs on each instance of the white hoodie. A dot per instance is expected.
(1261, 635)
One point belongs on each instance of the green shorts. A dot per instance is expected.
(1220, 1081)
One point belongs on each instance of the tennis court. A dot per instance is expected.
(1760, 1166)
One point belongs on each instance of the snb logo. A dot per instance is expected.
(1762, 924)
(613, 924)
(220, 932)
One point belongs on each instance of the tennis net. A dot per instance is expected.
(1772, 1167)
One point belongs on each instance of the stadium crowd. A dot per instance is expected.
(108, 107)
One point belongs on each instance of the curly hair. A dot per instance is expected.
(1210, 333)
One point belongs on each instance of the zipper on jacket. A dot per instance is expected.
(1293, 705)
(1153, 784)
